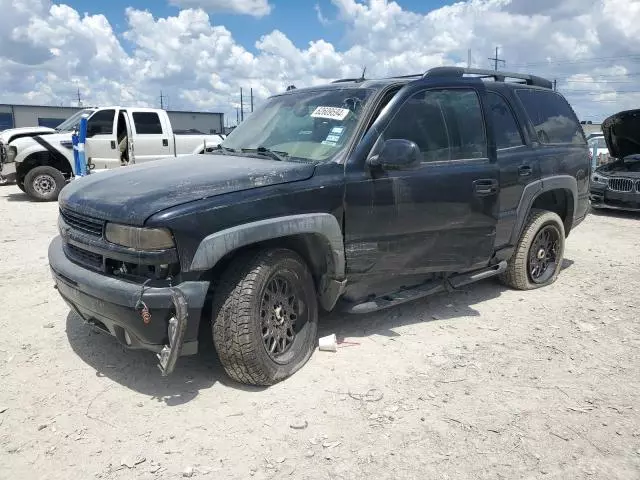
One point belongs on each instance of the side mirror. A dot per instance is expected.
(397, 154)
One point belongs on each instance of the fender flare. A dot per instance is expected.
(533, 190)
(215, 246)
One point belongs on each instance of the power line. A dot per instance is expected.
(571, 62)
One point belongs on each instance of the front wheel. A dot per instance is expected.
(265, 316)
(44, 183)
(537, 259)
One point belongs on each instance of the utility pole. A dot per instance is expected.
(241, 106)
(555, 85)
(161, 100)
(251, 91)
(469, 58)
(237, 116)
(79, 99)
(497, 59)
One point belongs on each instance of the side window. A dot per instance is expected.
(101, 123)
(147, 123)
(552, 117)
(505, 127)
(445, 124)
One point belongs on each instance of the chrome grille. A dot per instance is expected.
(84, 257)
(88, 225)
(620, 184)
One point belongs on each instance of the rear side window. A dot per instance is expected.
(147, 123)
(505, 127)
(445, 124)
(552, 118)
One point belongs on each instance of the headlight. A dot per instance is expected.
(599, 179)
(139, 238)
(12, 153)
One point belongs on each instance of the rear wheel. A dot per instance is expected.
(538, 257)
(265, 316)
(44, 183)
(21, 186)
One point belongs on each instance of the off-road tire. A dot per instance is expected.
(52, 175)
(236, 323)
(517, 273)
(21, 186)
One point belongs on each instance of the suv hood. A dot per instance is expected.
(622, 133)
(7, 135)
(132, 194)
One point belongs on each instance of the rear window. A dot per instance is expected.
(147, 123)
(552, 117)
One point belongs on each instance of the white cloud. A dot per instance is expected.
(256, 8)
(48, 51)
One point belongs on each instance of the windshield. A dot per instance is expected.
(310, 126)
(70, 123)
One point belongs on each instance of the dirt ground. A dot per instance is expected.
(483, 383)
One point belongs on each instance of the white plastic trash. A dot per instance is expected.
(328, 343)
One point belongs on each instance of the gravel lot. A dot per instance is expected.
(484, 383)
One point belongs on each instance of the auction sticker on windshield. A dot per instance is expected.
(333, 113)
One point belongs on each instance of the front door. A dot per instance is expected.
(101, 145)
(438, 217)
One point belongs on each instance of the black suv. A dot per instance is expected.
(361, 194)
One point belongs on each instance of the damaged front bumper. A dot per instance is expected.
(163, 320)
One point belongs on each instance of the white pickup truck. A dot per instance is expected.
(116, 136)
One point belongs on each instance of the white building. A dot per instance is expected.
(13, 116)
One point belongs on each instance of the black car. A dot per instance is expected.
(358, 195)
(616, 185)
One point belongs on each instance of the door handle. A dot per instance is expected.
(485, 187)
(113, 144)
(165, 142)
(524, 171)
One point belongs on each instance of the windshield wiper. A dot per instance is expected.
(280, 156)
(224, 150)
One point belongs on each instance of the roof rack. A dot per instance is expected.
(345, 80)
(497, 75)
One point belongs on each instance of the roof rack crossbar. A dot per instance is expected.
(497, 75)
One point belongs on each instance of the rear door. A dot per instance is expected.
(517, 162)
(152, 138)
(101, 146)
(438, 217)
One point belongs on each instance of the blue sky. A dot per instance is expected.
(296, 18)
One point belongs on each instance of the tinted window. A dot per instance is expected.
(49, 122)
(147, 123)
(101, 123)
(552, 118)
(505, 127)
(445, 124)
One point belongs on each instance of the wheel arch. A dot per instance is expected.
(316, 237)
(557, 194)
(42, 159)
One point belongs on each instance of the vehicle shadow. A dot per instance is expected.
(138, 370)
(18, 197)
(441, 307)
(608, 212)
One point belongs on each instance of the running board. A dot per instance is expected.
(424, 290)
